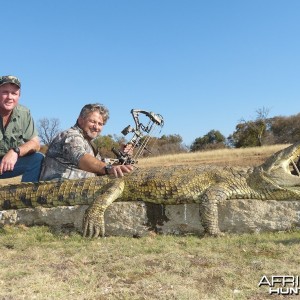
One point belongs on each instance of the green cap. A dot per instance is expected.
(10, 79)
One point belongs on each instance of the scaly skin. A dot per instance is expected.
(206, 185)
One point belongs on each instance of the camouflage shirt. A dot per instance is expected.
(64, 153)
(19, 130)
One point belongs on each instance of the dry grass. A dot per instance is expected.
(223, 157)
(36, 264)
(39, 264)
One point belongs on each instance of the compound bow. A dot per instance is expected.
(141, 136)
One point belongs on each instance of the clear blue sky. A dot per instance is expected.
(203, 65)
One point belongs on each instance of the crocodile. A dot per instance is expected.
(207, 185)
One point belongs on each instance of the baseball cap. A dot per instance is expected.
(10, 79)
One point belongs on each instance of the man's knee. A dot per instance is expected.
(34, 160)
(38, 156)
(33, 165)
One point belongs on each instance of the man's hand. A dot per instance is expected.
(119, 170)
(128, 149)
(8, 161)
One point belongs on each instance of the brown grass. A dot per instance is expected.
(36, 264)
(223, 157)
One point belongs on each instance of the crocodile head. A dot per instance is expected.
(279, 173)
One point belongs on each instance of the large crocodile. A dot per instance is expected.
(206, 185)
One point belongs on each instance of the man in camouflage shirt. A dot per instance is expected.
(19, 141)
(72, 155)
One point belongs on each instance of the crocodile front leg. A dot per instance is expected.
(93, 221)
(209, 210)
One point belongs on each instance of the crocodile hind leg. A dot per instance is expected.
(209, 212)
(93, 221)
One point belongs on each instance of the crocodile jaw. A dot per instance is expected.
(280, 167)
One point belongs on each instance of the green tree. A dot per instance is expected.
(251, 133)
(286, 129)
(166, 144)
(244, 136)
(214, 139)
(105, 143)
(171, 144)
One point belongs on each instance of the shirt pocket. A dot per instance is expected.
(16, 137)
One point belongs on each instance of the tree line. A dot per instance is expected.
(252, 133)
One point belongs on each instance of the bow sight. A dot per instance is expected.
(141, 135)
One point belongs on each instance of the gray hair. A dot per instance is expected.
(88, 108)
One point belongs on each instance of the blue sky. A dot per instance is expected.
(202, 65)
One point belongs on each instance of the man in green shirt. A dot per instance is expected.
(19, 140)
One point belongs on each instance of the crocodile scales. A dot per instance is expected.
(206, 185)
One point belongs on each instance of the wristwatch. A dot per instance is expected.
(17, 150)
(107, 169)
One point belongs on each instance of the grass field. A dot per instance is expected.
(39, 264)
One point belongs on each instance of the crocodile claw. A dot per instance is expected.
(93, 223)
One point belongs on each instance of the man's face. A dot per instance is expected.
(9, 96)
(92, 124)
